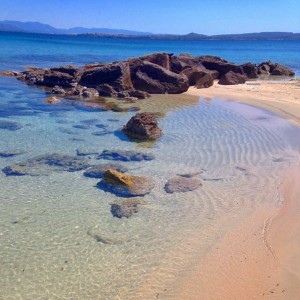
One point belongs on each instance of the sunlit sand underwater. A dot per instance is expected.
(58, 238)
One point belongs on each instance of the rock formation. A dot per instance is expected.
(182, 184)
(143, 126)
(136, 78)
(125, 208)
(125, 185)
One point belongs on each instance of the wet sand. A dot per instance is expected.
(259, 257)
(281, 97)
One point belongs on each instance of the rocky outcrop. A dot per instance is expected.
(143, 126)
(182, 184)
(270, 68)
(124, 185)
(280, 70)
(125, 208)
(136, 78)
(232, 78)
(125, 155)
(116, 76)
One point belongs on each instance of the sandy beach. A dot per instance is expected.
(281, 97)
(259, 258)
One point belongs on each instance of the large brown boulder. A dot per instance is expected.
(155, 79)
(161, 59)
(205, 82)
(193, 74)
(116, 75)
(220, 65)
(232, 78)
(125, 185)
(143, 126)
(250, 70)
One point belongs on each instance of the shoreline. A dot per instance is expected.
(280, 97)
(260, 254)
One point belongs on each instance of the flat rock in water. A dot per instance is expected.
(10, 125)
(125, 208)
(11, 153)
(190, 175)
(103, 132)
(86, 152)
(98, 170)
(54, 161)
(82, 126)
(123, 155)
(182, 184)
(124, 185)
(16, 170)
(65, 162)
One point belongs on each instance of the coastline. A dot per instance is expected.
(280, 97)
(258, 258)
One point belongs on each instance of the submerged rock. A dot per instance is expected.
(52, 100)
(16, 170)
(125, 208)
(232, 78)
(54, 161)
(11, 153)
(64, 162)
(143, 126)
(190, 175)
(98, 171)
(124, 185)
(86, 151)
(182, 184)
(10, 125)
(124, 155)
(103, 237)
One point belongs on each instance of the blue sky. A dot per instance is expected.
(159, 16)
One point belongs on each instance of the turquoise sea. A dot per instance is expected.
(58, 238)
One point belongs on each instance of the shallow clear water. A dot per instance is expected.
(48, 223)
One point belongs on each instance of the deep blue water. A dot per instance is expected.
(18, 50)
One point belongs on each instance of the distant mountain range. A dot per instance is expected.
(36, 27)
